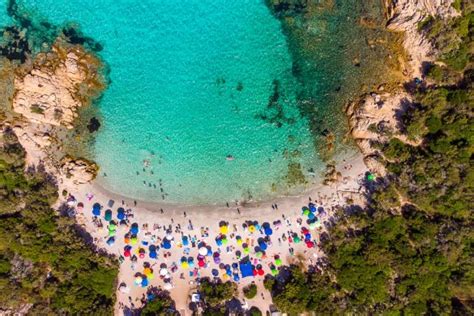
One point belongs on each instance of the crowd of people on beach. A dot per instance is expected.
(158, 253)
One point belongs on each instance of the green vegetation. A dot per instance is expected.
(410, 251)
(160, 304)
(250, 291)
(43, 260)
(215, 295)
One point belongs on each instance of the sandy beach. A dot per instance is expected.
(201, 224)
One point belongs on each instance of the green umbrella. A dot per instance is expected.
(370, 177)
(296, 239)
(278, 262)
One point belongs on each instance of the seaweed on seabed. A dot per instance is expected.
(30, 35)
(274, 113)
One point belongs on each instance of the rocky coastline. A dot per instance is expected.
(375, 116)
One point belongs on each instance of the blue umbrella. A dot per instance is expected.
(215, 272)
(185, 240)
(110, 241)
(96, 209)
(144, 282)
(166, 244)
(134, 229)
(268, 231)
(263, 246)
(236, 277)
(120, 214)
(312, 207)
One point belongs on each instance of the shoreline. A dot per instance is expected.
(349, 156)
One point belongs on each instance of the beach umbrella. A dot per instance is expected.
(224, 240)
(133, 240)
(184, 264)
(108, 215)
(96, 209)
(169, 236)
(236, 277)
(296, 239)
(278, 261)
(239, 240)
(260, 272)
(134, 229)
(166, 244)
(120, 214)
(203, 251)
(112, 226)
(218, 242)
(126, 239)
(209, 251)
(309, 244)
(223, 229)
(153, 254)
(215, 272)
(312, 207)
(144, 282)
(80, 206)
(370, 177)
(311, 216)
(268, 231)
(225, 277)
(251, 229)
(246, 251)
(307, 236)
(138, 280)
(168, 286)
(259, 254)
(111, 241)
(147, 271)
(163, 271)
(201, 263)
(112, 233)
(185, 240)
(216, 257)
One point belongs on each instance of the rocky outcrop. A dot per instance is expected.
(78, 171)
(404, 16)
(373, 119)
(53, 90)
(48, 94)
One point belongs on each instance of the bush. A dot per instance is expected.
(250, 291)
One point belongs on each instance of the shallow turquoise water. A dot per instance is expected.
(190, 81)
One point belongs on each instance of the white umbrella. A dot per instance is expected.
(203, 251)
(169, 237)
(168, 286)
(163, 272)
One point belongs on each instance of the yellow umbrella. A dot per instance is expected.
(223, 229)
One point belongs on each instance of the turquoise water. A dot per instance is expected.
(191, 83)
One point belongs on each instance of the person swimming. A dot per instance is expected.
(229, 157)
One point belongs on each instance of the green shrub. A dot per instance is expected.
(250, 291)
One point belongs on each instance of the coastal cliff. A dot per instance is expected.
(374, 117)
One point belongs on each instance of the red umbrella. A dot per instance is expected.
(201, 263)
(260, 272)
(126, 253)
(309, 244)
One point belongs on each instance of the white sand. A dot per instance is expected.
(209, 217)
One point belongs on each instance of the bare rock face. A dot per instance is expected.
(51, 92)
(78, 171)
(404, 16)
